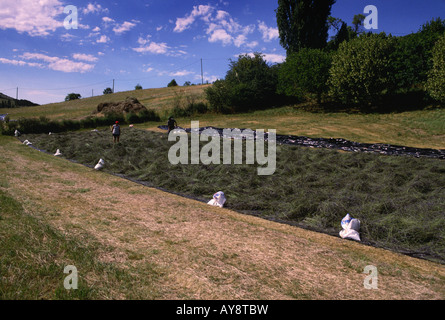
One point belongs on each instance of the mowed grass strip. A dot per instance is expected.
(199, 251)
(398, 199)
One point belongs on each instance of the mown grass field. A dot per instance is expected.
(130, 241)
(398, 199)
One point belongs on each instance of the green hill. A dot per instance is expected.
(8, 102)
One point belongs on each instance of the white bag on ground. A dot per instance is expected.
(26, 142)
(100, 164)
(58, 153)
(218, 199)
(351, 228)
(17, 133)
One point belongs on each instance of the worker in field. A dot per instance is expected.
(116, 131)
(171, 124)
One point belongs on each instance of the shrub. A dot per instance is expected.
(436, 77)
(218, 97)
(305, 73)
(172, 83)
(72, 96)
(250, 84)
(361, 70)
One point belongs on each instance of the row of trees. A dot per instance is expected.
(354, 68)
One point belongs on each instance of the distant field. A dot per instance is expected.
(421, 129)
(156, 99)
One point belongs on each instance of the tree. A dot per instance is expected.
(361, 69)
(250, 84)
(413, 55)
(305, 73)
(436, 76)
(187, 83)
(72, 96)
(172, 83)
(303, 23)
(358, 23)
(108, 91)
(138, 87)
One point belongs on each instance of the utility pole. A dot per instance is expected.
(113, 85)
(202, 75)
(92, 93)
(17, 94)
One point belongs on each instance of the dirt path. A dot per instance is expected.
(204, 252)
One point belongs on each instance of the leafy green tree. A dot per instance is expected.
(250, 84)
(361, 69)
(436, 77)
(72, 96)
(303, 23)
(172, 83)
(138, 87)
(305, 73)
(412, 57)
(108, 91)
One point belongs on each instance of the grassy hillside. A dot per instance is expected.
(132, 242)
(156, 99)
(398, 199)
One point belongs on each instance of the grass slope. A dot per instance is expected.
(399, 200)
(151, 244)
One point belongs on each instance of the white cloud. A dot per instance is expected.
(107, 19)
(103, 39)
(220, 35)
(203, 11)
(146, 46)
(97, 29)
(269, 57)
(94, 8)
(126, 26)
(53, 63)
(85, 57)
(221, 27)
(181, 73)
(37, 18)
(269, 34)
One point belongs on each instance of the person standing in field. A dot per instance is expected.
(171, 124)
(116, 131)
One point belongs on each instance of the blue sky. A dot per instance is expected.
(152, 42)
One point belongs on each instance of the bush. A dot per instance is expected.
(305, 73)
(361, 70)
(172, 83)
(72, 96)
(250, 84)
(436, 77)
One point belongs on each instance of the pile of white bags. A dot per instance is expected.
(17, 133)
(351, 228)
(100, 164)
(58, 153)
(26, 142)
(218, 199)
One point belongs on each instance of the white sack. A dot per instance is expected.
(58, 153)
(100, 164)
(218, 199)
(350, 228)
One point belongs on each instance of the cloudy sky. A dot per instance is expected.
(151, 42)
